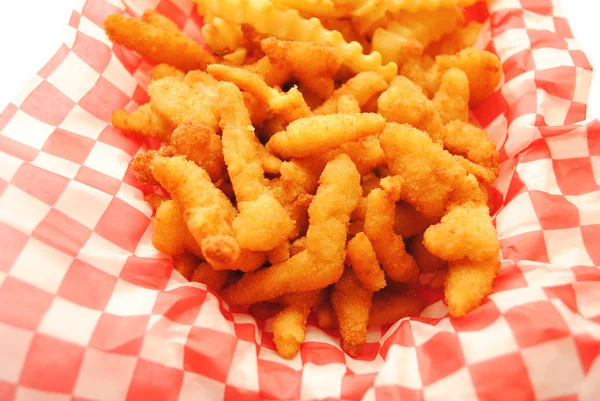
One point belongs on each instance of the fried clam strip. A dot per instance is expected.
(314, 65)
(157, 39)
(171, 234)
(166, 70)
(432, 178)
(178, 101)
(408, 221)
(351, 303)
(362, 258)
(143, 121)
(472, 142)
(214, 279)
(427, 262)
(387, 307)
(361, 87)
(289, 326)
(193, 140)
(322, 262)
(468, 283)
(291, 105)
(318, 134)
(262, 223)
(466, 231)
(208, 213)
(451, 101)
(405, 103)
(389, 246)
(185, 264)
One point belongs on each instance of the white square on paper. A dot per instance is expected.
(510, 42)
(210, 316)
(459, 381)
(57, 165)
(595, 160)
(401, 368)
(582, 85)
(361, 367)
(30, 394)
(139, 6)
(108, 160)
(522, 132)
(517, 217)
(436, 310)
(547, 275)
(546, 58)
(565, 247)
(27, 130)
(13, 348)
(243, 357)
(104, 255)
(76, 194)
(164, 342)
(9, 165)
(195, 387)
(588, 298)
(21, 210)
(493, 341)
(41, 265)
(104, 376)
(554, 109)
(539, 175)
(94, 31)
(554, 368)
(116, 74)
(499, 5)
(26, 90)
(267, 354)
(135, 198)
(74, 77)
(588, 206)
(319, 382)
(506, 300)
(145, 249)
(131, 300)
(570, 145)
(83, 123)
(244, 318)
(514, 89)
(69, 321)
(538, 21)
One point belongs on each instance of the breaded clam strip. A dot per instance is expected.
(322, 262)
(289, 326)
(362, 87)
(262, 223)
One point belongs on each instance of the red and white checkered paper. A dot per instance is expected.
(90, 310)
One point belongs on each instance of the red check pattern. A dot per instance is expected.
(90, 311)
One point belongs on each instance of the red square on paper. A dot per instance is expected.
(577, 113)
(402, 335)
(7, 114)
(147, 273)
(152, 381)
(278, 381)
(174, 13)
(114, 137)
(140, 96)
(509, 278)
(439, 357)
(47, 104)
(21, 304)
(17, 149)
(236, 394)
(62, 232)
(518, 64)
(321, 353)
(354, 387)
(95, 53)
(43, 184)
(54, 62)
(120, 334)
(122, 224)
(575, 176)
(554, 212)
(541, 39)
(558, 81)
(87, 286)
(98, 180)
(13, 241)
(590, 239)
(478, 319)
(245, 332)
(580, 59)
(503, 378)
(209, 353)
(535, 323)
(180, 305)
(7, 390)
(562, 27)
(527, 246)
(57, 373)
(97, 10)
(398, 393)
(69, 146)
(503, 20)
(103, 99)
(538, 7)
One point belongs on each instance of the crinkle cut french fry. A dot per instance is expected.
(451, 101)
(387, 307)
(456, 40)
(157, 43)
(466, 231)
(352, 303)
(262, 223)
(289, 326)
(144, 121)
(185, 264)
(322, 263)
(214, 279)
(207, 211)
(389, 246)
(430, 174)
(363, 260)
(317, 134)
(468, 283)
(362, 87)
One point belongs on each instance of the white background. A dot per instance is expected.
(32, 30)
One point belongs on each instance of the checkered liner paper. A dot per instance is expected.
(90, 310)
